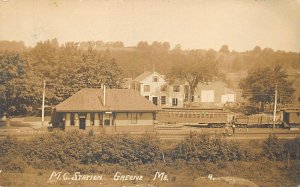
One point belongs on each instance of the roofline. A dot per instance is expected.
(182, 108)
(108, 110)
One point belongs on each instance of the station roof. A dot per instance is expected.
(117, 100)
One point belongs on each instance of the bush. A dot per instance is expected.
(292, 148)
(273, 149)
(61, 149)
(76, 150)
(13, 164)
(202, 147)
(9, 145)
(126, 150)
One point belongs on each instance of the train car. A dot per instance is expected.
(212, 117)
(291, 117)
(258, 120)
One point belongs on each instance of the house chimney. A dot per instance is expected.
(104, 99)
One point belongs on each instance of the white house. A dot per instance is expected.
(154, 87)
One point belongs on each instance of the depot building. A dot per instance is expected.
(114, 110)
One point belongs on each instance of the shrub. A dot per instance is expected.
(126, 150)
(272, 148)
(202, 147)
(60, 149)
(9, 145)
(292, 148)
(13, 164)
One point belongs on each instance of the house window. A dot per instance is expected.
(176, 88)
(174, 101)
(155, 79)
(147, 97)
(163, 100)
(146, 88)
(163, 88)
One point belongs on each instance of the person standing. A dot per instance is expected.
(233, 125)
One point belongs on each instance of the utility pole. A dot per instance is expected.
(275, 105)
(43, 104)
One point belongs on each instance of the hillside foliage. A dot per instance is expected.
(74, 65)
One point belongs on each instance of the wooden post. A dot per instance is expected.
(68, 119)
(88, 119)
(275, 105)
(96, 120)
(43, 103)
(76, 120)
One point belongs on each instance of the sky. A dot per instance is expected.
(195, 24)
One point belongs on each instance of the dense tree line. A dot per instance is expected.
(66, 69)
(74, 65)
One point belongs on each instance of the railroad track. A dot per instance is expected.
(237, 136)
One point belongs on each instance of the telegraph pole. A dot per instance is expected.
(275, 106)
(43, 104)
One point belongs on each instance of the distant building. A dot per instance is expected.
(109, 109)
(215, 92)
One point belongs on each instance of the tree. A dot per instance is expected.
(259, 86)
(177, 49)
(224, 49)
(86, 69)
(143, 45)
(19, 89)
(193, 72)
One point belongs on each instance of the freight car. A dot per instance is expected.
(212, 117)
(258, 120)
(291, 117)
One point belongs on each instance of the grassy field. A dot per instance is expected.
(262, 173)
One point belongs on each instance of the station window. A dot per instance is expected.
(155, 79)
